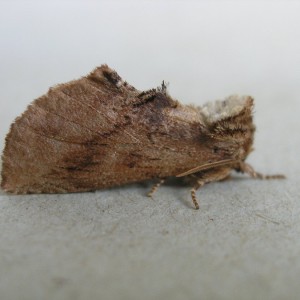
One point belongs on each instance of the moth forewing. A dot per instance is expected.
(99, 131)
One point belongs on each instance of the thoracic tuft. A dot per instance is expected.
(221, 109)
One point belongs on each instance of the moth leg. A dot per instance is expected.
(199, 184)
(155, 187)
(246, 168)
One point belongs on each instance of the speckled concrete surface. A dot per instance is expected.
(244, 241)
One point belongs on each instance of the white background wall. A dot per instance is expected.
(243, 243)
(205, 49)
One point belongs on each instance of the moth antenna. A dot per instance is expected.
(208, 166)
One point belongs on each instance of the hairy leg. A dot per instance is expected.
(201, 178)
(155, 187)
(199, 184)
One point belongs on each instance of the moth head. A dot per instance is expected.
(230, 126)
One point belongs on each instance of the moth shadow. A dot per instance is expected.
(177, 189)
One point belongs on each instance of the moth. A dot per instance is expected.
(99, 131)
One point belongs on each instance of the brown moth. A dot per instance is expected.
(99, 131)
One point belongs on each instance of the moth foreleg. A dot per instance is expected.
(199, 184)
(246, 168)
(155, 187)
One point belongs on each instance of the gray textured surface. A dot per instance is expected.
(242, 244)
(118, 244)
